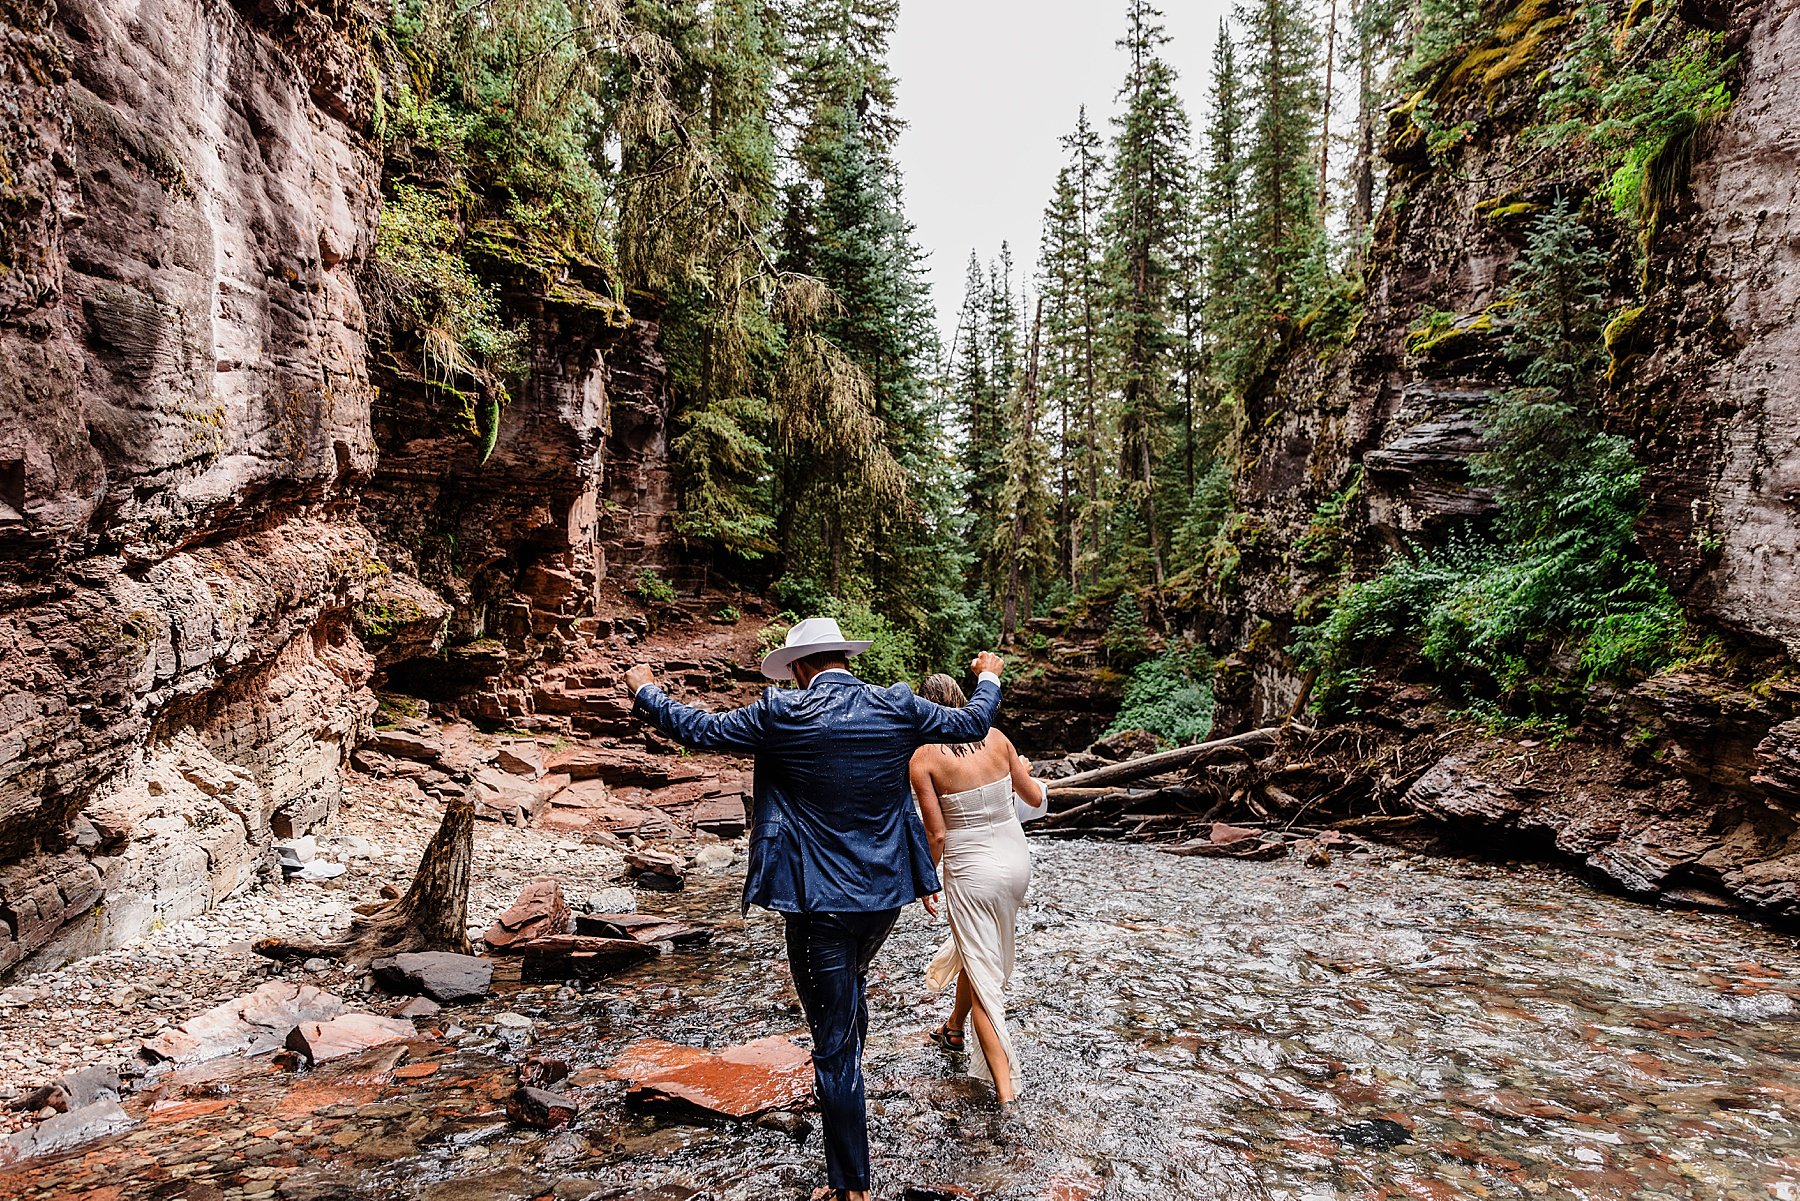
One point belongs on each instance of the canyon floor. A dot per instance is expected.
(1386, 1025)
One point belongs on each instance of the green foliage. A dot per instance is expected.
(1635, 97)
(1283, 48)
(721, 462)
(1204, 517)
(1325, 544)
(1441, 28)
(1562, 583)
(729, 615)
(801, 594)
(1126, 642)
(488, 117)
(427, 283)
(894, 655)
(1169, 696)
(651, 588)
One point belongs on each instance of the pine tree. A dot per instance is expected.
(1223, 219)
(1070, 278)
(1028, 540)
(865, 507)
(1282, 46)
(1150, 190)
(979, 389)
(696, 214)
(1377, 47)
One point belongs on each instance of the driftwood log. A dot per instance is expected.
(1237, 746)
(432, 916)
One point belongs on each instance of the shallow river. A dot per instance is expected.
(1186, 1028)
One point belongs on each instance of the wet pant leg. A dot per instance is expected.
(829, 955)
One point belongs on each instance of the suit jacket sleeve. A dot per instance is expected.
(968, 724)
(738, 730)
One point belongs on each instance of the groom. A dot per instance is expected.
(836, 846)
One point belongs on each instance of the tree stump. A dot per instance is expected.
(432, 916)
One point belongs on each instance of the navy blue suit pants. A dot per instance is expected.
(829, 955)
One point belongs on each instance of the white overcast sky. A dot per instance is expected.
(986, 89)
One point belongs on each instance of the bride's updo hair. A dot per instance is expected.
(941, 689)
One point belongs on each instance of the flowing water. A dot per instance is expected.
(1383, 1027)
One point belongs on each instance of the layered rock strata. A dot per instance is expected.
(217, 526)
(1689, 785)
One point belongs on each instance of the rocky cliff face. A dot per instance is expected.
(1687, 788)
(215, 524)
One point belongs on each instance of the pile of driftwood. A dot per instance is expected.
(1283, 784)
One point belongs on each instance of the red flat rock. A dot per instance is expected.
(539, 911)
(346, 1034)
(736, 1082)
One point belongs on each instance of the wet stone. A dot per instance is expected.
(541, 1108)
(1377, 1134)
(347, 1034)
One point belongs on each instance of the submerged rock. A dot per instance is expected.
(1376, 1134)
(736, 1082)
(65, 1130)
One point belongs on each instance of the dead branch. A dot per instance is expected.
(1234, 746)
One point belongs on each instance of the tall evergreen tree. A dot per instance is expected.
(1223, 217)
(1282, 45)
(882, 533)
(980, 388)
(697, 210)
(1071, 280)
(1027, 541)
(1149, 195)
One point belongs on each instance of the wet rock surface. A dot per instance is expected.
(1401, 1028)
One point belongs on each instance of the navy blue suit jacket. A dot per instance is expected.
(834, 828)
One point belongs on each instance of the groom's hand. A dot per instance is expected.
(987, 661)
(637, 677)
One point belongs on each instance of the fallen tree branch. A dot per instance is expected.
(1166, 761)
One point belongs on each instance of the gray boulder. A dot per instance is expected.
(444, 976)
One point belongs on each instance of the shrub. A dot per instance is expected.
(652, 589)
(1126, 642)
(894, 654)
(1561, 580)
(1169, 696)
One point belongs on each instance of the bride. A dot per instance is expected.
(965, 792)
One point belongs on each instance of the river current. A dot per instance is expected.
(1384, 1027)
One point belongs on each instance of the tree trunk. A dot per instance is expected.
(1325, 120)
(432, 916)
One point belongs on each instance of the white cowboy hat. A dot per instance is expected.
(814, 636)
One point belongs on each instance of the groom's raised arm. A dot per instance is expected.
(736, 730)
(970, 723)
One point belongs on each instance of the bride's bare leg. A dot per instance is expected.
(995, 1054)
(965, 1001)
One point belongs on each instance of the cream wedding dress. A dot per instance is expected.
(985, 871)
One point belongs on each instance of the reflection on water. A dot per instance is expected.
(1187, 1028)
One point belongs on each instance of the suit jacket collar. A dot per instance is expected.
(834, 675)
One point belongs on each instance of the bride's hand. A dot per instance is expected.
(930, 904)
